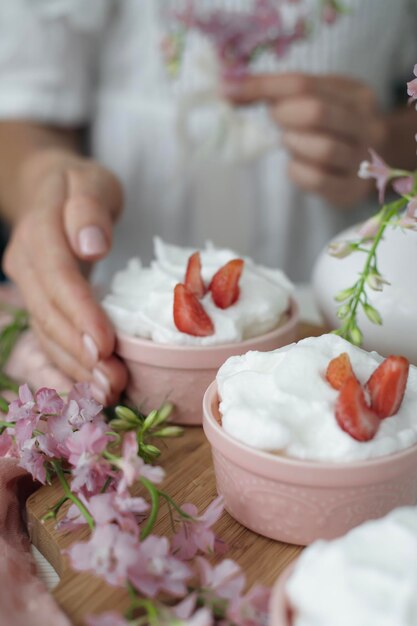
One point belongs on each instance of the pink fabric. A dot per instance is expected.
(24, 600)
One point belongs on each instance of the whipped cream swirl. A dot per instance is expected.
(368, 577)
(280, 401)
(140, 302)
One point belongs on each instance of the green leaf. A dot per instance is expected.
(169, 431)
(150, 420)
(372, 314)
(343, 312)
(345, 294)
(355, 336)
(127, 415)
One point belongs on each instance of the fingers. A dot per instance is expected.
(107, 380)
(94, 201)
(75, 330)
(324, 150)
(339, 190)
(311, 114)
(284, 86)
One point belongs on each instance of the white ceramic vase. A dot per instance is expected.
(397, 303)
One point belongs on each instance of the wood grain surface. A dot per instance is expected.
(190, 477)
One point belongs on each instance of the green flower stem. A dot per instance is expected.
(387, 212)
(106, 484)
(154, 494)
(152, 616)
(4, 405)
(175, 506)
(53, 511)
(7, 424)
(71, 496)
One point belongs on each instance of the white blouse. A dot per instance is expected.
(72, 62)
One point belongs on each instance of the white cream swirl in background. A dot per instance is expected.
(281, 402)
(140, 302)
(366, 578)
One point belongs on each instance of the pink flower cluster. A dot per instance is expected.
(43, 427)
(239, 37)
(402, 183)
(71, 439)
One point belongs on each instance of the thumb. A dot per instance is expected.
(94, 202)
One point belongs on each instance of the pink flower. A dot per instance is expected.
(23, 407)
(184, 611)
(122, 509)
(403, 186)
(23, 430)
(369, 229)
(132, 466)
(202, 617)
(106, 619)
(32, 460)
(81, 407)
(58, 431)
(251, 609)
(109, 554)
(155, 570)
(6, 444)
(377, 169)
(412, 86)
(225, 580)
(196, 535)
(48, 401)
(85, 447)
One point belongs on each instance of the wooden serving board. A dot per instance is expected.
(190, 478)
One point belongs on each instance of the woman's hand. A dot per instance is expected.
(328, 124)
(74, 204)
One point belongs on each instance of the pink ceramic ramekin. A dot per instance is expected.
(301, 501)
(181, 374)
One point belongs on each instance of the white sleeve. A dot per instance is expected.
(46, 62)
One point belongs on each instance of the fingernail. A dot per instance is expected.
(101, 380)
(91, 347)
(92, 241)
(98, 394)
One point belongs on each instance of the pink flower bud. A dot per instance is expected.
(378, 169)
(369, 229)
(340, 249)
(403, 186)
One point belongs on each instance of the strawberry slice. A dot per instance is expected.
(224, 285)
(353, 414)
(193, 279)
(339, 370)
(387, 385)
(189, 314)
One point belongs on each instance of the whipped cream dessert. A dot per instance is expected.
(281, 402)
(141, 299)
(366, 578)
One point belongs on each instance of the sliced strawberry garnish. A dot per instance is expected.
(224, 285)
(193, 279)
(189, 314)
(353, 414)
(339, 370)
(387, 385)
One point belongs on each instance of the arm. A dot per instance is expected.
(62, 208)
